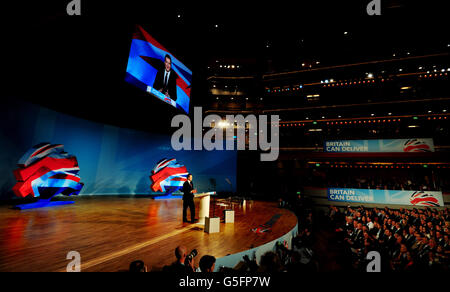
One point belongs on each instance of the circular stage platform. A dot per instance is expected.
(111, 232)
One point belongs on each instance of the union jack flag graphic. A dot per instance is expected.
(168, 176)
(46, 170)
(416, 145)
(424, 199)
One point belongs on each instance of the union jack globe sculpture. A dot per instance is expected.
(45, 171)
(168, 176)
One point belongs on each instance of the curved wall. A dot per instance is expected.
(112, 160)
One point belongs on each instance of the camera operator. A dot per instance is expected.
(184, 262)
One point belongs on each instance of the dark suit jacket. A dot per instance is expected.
(171, 86)
(187, 188)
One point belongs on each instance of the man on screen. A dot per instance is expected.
(166, 80)
(188, 198)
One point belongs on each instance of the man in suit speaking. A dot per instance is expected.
(166, 80)
(188, 198)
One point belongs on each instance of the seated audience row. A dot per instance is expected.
(406, 239)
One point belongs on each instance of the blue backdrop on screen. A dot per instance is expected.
(112, 160)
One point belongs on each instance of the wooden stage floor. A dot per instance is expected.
(111, 232)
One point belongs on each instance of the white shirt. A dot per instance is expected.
(166, 74)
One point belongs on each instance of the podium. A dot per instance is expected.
(204, 206)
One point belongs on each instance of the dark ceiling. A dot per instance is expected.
(76, 64)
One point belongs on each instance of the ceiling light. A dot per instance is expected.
(223, 124)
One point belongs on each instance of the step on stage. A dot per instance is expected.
(111, 232)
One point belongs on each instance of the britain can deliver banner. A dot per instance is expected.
(380, 145)
(414, 198)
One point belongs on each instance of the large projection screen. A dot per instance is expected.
(155, 70)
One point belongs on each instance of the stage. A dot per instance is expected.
(110, 232)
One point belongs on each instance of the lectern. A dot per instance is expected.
(204, 206)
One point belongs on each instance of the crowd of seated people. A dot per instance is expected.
(407, 240)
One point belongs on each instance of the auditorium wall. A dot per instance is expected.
(112, 160)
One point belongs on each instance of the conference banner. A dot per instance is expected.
(414, 198)
(380, 145)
